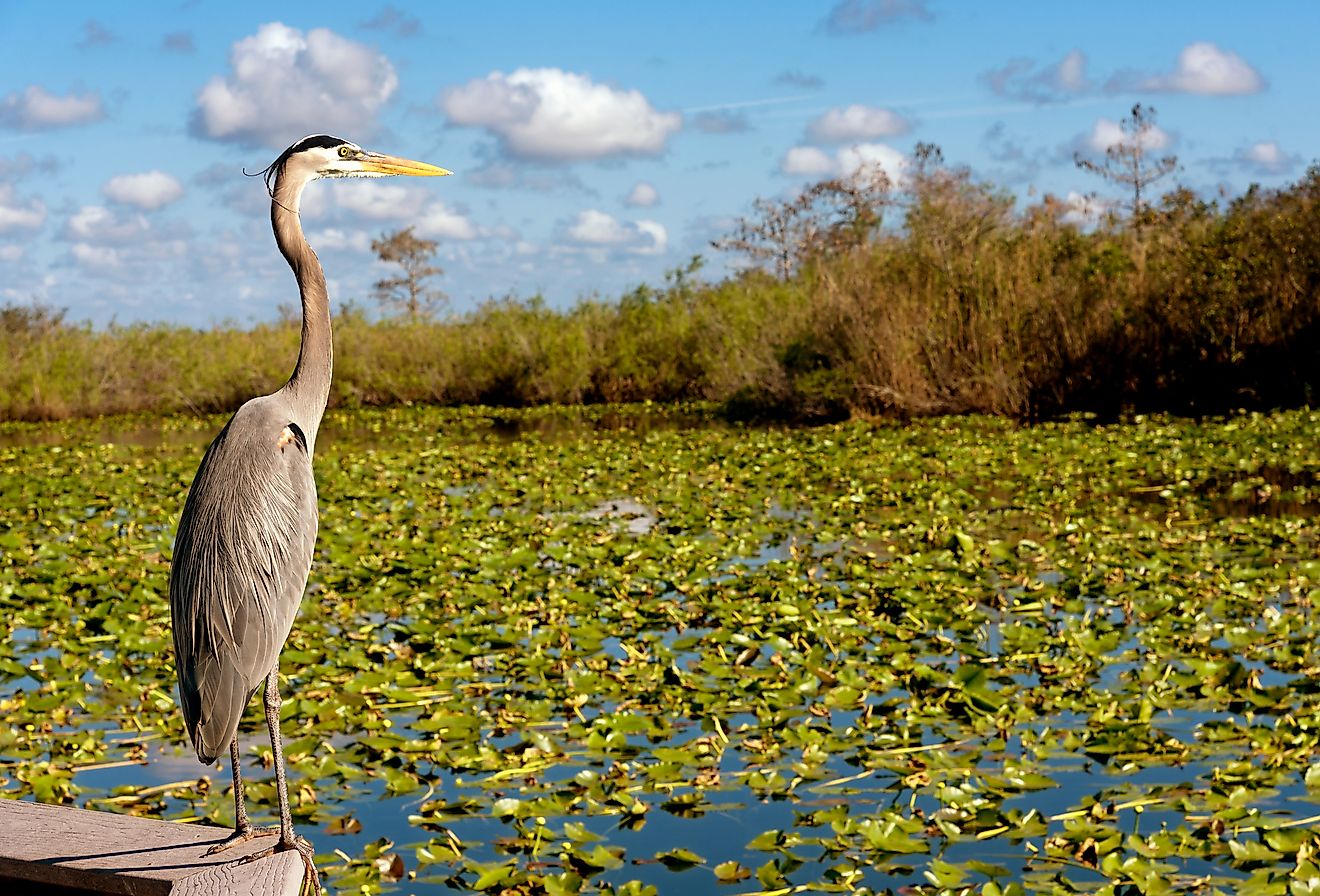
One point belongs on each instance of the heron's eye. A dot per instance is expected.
(345, 152)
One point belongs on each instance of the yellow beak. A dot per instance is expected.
(380, 163)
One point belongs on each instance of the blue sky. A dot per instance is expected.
(595, 145)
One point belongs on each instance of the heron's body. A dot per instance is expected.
(240, 566)
(247, 533)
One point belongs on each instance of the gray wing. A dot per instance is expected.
(241, 558)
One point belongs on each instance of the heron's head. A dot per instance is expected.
(321, 155)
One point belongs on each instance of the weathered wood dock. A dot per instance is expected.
(64, 851)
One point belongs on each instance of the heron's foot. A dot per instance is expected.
(303, 848)
(242, 835)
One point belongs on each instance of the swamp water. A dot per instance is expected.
(630, 650)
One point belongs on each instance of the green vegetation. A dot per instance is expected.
(941, 297)
(631, 650)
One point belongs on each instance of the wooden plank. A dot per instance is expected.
(49, 849)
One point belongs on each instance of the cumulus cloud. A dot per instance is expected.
(1070, 73)
(37, 109)
(1021, 79)
(98, 225)
(285, 83)
(123, 247)
(643, 195)
(1206, 69)
(811, 161)
(1106, 133)
(807, 160)
(376, 200)
(857, 157)
(95, 257)
(19, 215)
(656, 233)
(596, 228)
(856, 16)
(150, 190)
(440, 222)
(550, 115)
(1085, 210)
(593, 229)
(1265, 157)
(392, 203)
(856, 122)
(327, 239)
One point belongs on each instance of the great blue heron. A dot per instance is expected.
(245, 539)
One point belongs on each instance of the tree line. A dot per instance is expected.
(939, 294)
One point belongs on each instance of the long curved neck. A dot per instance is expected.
(308, 388)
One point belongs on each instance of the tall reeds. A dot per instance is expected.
(961, 302)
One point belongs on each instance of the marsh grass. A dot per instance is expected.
(964, 303)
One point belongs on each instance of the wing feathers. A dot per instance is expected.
(241, 558)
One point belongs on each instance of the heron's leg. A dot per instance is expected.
(277, 747)
(241, 823)
(243, 829)
(287, 838)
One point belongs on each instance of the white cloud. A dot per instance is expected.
(849, 160)
(284, 84)
(594, 229)
(853, 159)
(377, 200)
(1070, 73)
(98, 225)
(399, 204)
(37, 109)
(1085, 210)
(549, 114)
(96, 257)
(336, 239)
(643, 195)
(856, 122)
(1106, 133)
(441, 222)
(1020, 80)
(807, 160)
(1265, 157)
(1206, 69)
(150, 190)
(19, 214)
(658, 235)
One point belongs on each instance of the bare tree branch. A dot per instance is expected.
(1128, 162)
(828, 217)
